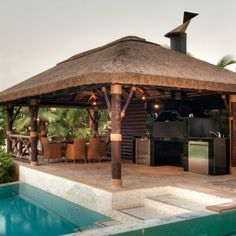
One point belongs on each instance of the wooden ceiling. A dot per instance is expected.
(89, 96)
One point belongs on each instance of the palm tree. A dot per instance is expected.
(227, 60)
(57, 122)
(22, 122)
(69, 122)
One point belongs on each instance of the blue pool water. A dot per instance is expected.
(212, 225)
(25, 210)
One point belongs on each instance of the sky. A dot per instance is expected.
(37, 34)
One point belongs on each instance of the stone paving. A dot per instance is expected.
(141, 177)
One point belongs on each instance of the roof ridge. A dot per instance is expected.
(94, 50)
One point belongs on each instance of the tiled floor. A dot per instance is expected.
(141, 177)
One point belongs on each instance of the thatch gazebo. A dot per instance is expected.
(120, 73)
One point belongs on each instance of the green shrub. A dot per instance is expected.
(83, 133)
(2, 126)
(6, 167)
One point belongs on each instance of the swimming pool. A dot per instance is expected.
(212, 225)
(25, 210)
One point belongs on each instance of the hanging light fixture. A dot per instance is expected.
(156, 105)
(93, 98)
(142, 92)
(94, 103)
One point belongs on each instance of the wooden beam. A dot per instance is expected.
(131, 94)
(96, 120)
(99, 92)
(125, 94)
(116, 137)
(90, 115)
(17, 113)
(94, 117)
(62, 104)
(227, 106)
(104, 90)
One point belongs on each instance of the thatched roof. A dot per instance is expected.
(130, 60)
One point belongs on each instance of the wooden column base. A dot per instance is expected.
(33, 163)
(116, 183)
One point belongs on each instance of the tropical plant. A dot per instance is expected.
(227, 60)
(22, 121)
(62, 122)
(2, 126)
(6, 167)
(59, 122)
(69, 123)
(104, 122)
(83, 133)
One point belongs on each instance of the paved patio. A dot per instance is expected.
(140, 177)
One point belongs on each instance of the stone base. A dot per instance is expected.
(33, 163)
(116, 183)
(233, 170)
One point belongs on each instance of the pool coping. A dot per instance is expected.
(11, 183)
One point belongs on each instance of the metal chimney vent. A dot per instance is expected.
(178, 37)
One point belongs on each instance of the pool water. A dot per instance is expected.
(25, 210)
(212, 225)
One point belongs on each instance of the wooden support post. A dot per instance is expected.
(20, 149)
(91, 121)
(233, 130)
(131, 94)
(104, 90)
(33, 108)
(95, 120)
(116, 137)
(10, 110)
(227, 106)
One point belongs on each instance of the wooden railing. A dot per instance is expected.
(21, 146)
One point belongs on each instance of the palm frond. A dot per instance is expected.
(48, 115)
(226, 61)
(57, 129)
(22, 124)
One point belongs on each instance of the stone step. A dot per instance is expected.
(144, 213)
(177, 201)
(107, 223)
(164, 207)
